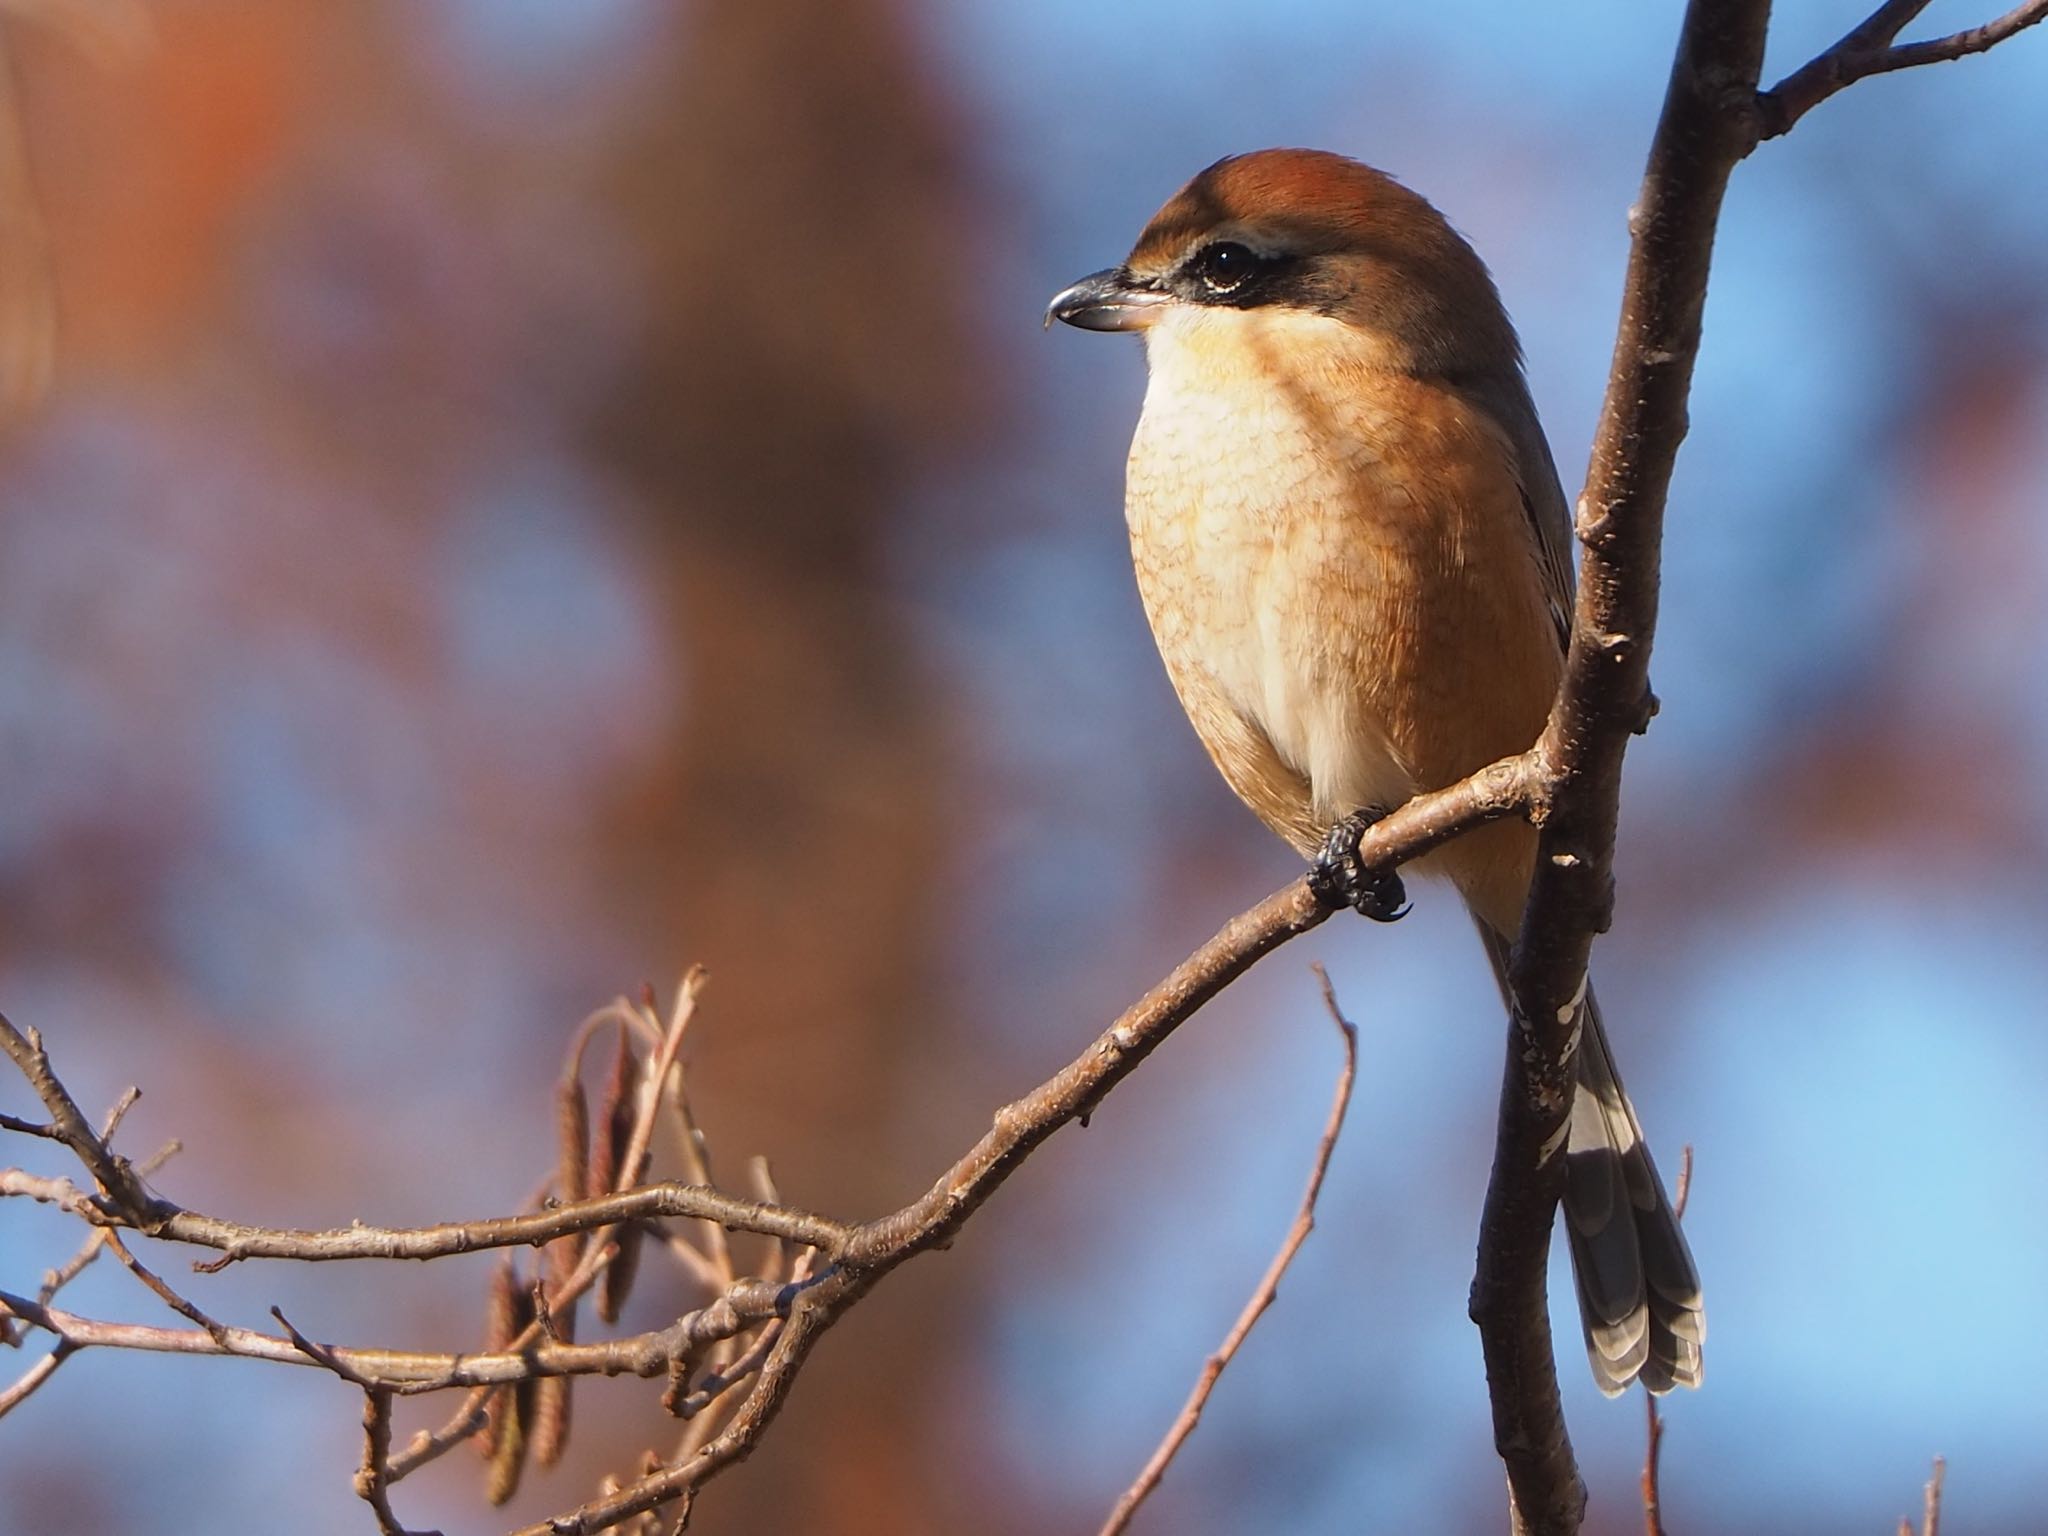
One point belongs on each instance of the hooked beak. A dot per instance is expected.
(1110, 300)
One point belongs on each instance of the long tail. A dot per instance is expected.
(1639, 1294)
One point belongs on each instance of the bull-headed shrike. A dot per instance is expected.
(1354, 552)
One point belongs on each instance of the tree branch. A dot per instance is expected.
(411, 1371)
(1707, 125)
(1268, 1287)
(1653, 1434)
(373, 1483)
(1505, 788)
(117, 1181)
(1872, 48)
(858, 1256)
(1713, 116)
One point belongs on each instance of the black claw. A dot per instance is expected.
(1339, 879)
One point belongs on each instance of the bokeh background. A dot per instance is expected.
(535, 494)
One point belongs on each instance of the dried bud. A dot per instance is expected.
(507, 1311)
(572, 1176)
(680, 1368)
(615, 1115)
(508, 1458)
(616, 1282)
(550, 1436)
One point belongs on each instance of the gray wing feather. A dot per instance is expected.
(1507, 401)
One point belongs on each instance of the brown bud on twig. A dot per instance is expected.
(508, 1459)
(572, 1178)
(679, 1368)
(550, 1431)
(615, 1112)
(504, 1439)
(507, 1311)
(616, 1282)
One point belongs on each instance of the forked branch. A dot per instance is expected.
(1873, 48)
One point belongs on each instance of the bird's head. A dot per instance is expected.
(1309, 241)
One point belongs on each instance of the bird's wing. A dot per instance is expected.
(1553, 546)
(1507, 401)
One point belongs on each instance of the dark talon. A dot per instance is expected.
(1340, 879)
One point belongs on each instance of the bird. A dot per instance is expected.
(1352, 546)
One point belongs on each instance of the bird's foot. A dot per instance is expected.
(1339, 878)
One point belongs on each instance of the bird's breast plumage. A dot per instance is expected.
(1336, 565)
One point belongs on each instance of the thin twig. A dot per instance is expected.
(35, 1376)
(1268, 1288)
(1930, 1513)
(372, 1479)
(696, 1163)
(432, 1444)
(56, 1279)
(170, 1298)
(119, 1112)
(410, 1371)
(1653, 1492)
(127, 1202)
(115, 1179)
(236, 1241)
(634, 1163)
(716, 1383)
(692, 1260)
(1872, 48)
(712, 1404)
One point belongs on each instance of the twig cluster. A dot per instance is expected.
(1873, 48)
(596, 1213)
(728, 1363)
(1154, 1470)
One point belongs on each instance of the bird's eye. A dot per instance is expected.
(1225, 265)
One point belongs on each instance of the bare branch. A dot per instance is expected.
(115, 1178)
(1653, 1492)
(155, 1283)
(1930, 1512)
(1713, 116)
(1872, 48)
(1505, 788)
(372, 1480)
(431, 1445)
(409, 1371)
(236, 1241)
(1269, 1284)
(880, 1246)
(857, 1256)
(35, 1376)
(1707, 125)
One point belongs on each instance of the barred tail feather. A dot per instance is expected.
(1639, 1294)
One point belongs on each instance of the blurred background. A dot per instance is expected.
(501, 500)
